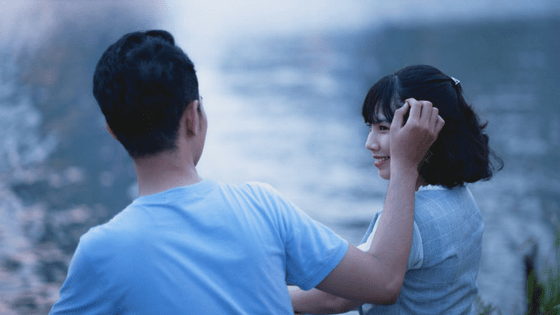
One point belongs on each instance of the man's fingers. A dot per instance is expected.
(420, 111)
(440, 123)
(434, 116)
(426, 113)
(398, 118)
(415, 109)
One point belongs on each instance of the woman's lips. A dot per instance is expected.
(380, 160)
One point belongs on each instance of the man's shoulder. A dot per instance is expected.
(259, 188)
(109, 234)
(260, 196)
(253, 189)
(98, 237)
(267, 194)
(249, 185)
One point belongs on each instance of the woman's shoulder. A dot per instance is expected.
(438, 191)
(446, 199)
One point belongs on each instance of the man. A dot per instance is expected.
(193, 246)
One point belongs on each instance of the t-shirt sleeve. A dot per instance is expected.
(312, 249)
(84, 291)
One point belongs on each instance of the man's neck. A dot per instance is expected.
(163, 172)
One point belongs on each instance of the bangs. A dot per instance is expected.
(381, 101)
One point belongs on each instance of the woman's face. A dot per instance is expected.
(379, 143)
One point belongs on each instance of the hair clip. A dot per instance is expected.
(455, 80)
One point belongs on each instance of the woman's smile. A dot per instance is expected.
(380, 160)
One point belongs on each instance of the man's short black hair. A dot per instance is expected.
(461, 153)
(142, 84)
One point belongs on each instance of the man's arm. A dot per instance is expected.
(377, 276)
(316, 301)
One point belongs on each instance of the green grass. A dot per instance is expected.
(543, 291)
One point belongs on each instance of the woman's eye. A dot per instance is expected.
(383, 128)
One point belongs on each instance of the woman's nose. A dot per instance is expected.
(371, 143)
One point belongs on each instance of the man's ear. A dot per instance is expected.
(110, 131)
(192, 117)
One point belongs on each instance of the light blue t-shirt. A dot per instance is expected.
(206, 248)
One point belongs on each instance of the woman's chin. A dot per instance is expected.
(384, 175)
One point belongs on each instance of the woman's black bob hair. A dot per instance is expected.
(461, 153)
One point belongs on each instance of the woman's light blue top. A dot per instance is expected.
(445, 255)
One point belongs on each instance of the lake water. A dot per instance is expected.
(283, 85)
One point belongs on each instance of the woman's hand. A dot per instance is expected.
(410, 141)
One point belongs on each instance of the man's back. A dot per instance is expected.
(202, 248)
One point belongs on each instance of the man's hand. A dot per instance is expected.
(411, 141)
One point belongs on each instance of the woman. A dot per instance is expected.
(447, 235)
